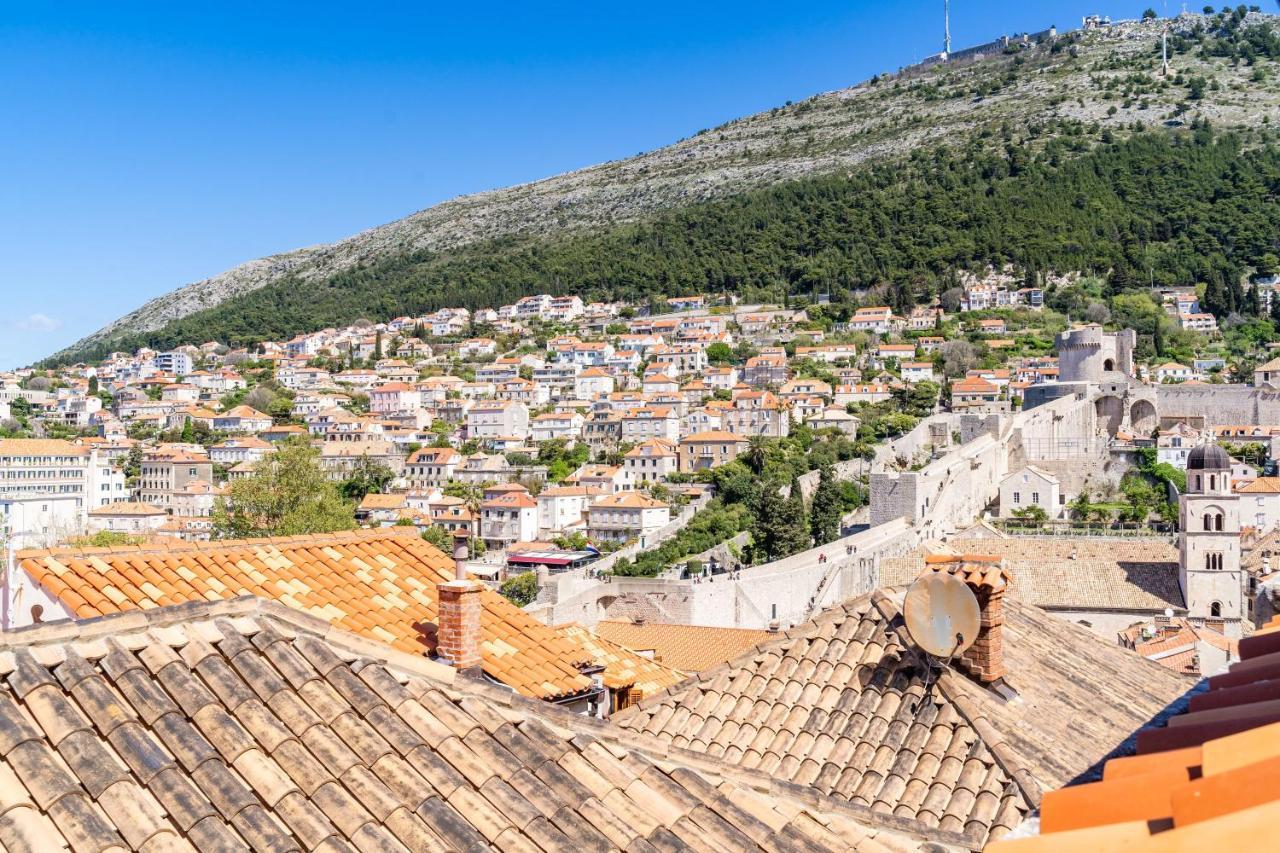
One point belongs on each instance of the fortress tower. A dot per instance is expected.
(1093, 355)
(1209, 570)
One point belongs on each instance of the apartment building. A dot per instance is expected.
(626, 515)
(431, 467)
(31, 466)
(651, 461)
(710, 449)
(508, 518)
(757, 413)
(650, 422)
(166, 472)
(497, 418)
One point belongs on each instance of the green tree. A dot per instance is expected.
(105, 539)
(780, 528)
(1032, 516)
(287, 494)
(367, 476)
(133, 466)
(826, 509)
(521, 589)
(757, 453)
(438, 537)
(720, 353)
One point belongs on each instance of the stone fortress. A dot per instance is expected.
(1099, 365)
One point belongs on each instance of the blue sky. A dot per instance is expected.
(145, 145)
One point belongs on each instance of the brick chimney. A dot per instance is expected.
(987, 578)
(458, 624)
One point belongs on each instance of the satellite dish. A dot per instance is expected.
(942, 614)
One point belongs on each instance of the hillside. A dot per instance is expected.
(739, 206)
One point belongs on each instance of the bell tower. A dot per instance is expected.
(1209, 572)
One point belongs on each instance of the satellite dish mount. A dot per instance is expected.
(942, 616)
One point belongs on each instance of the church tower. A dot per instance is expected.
(1209, 542)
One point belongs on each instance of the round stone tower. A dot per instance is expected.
(1090, 354)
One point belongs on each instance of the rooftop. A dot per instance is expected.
(688, 648)
(377, 583)
(840, 704)
(1209, 780)
(1092, 574)
(245, 724)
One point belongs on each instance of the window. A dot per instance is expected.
(1017, 497)
(1035, 497)
(1215, 610)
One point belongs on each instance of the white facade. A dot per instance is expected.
(1031, 487)
(31, 467)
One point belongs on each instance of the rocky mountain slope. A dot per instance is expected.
(1108, 76)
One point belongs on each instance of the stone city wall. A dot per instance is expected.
(786, 591)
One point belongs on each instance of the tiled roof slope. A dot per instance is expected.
(1112, 574)
(840, 704)
(244, 724)
(379, 583)
(688, 648)
(623, 667)
(1209, 780)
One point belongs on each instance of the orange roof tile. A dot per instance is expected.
(379, 583)
(623, 666)
(688, 648)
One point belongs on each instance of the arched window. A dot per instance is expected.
(1108, 365)
(1208, 521)
(1215, 610)
(1213, 481)
(1197, 482)
(37, 614)
(1217, 521)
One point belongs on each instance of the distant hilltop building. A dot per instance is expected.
(991, 48)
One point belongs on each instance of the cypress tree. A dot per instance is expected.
(824, 513)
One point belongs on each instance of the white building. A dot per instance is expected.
(553, 425)
(431, 466)
(652, 460)
(35, 466)
(498, 418)
(130, 517)
(564, 508)
(1031, 487)
(508, 518)
(626, 515)
(650, 422)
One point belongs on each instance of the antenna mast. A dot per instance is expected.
(1164, 51)
(946, 29)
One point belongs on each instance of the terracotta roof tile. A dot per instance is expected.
(1139, 574)
(688, 648)
(954, 759)
(1209, 775)
(245, 724)
(380, 583)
